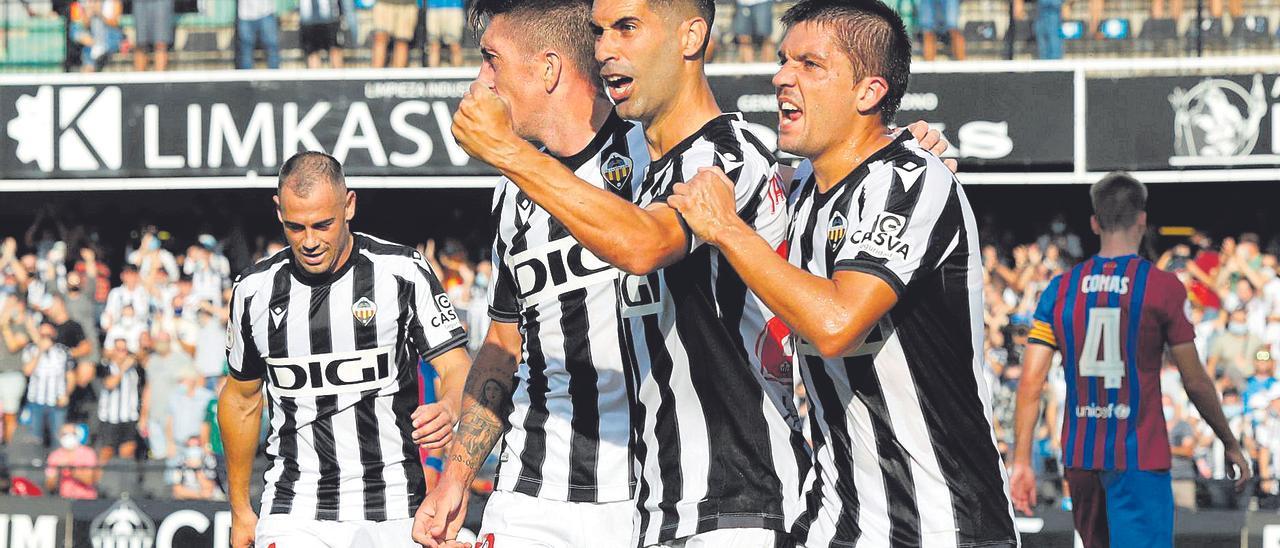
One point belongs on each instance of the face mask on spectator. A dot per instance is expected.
(1168, 413)
(1232, 410)
(69, 441)
(1237, 328)
(1058, 227)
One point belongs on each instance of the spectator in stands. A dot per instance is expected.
(71, 470)
(209, 345)
(257, 25)
(164, 368)
(393, 22)
(13, 382)
(81, 309)
(752, 28)
(1260, 388)
(96, 28)
(151, 257)
(69, 332)
(1231, 353)
(1267, 438)
(49, 370)
(1183, 425)
(320, 30)
(187, 408)
(153, 33)
(211, 436)
(120, 402)
(937, 17)
(1048, 25)
(209, 270)
(129, 329)
(1216, 487)
(1062, 237)
(194, 477)
(444, 26)
(130, 293)
(97, 277)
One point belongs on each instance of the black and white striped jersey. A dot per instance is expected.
(570, 422)
(48, 383)
(904, 452)
(718, 443)
(339, 359)
(121, 404)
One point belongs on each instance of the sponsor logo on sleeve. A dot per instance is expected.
(884, 237)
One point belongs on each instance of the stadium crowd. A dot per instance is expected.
(384, 33)
(107, 358)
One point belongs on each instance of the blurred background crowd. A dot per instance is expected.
(121, 35)
(112, 354)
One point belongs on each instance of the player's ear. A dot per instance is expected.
(1093, 225)
(869, 92)
(1142, 220)
(693, 36)
(351, 205)
(279, 214)
(553, 67)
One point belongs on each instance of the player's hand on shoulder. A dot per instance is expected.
(433, 425)
(932, 140)
(707, 204)
(483, 126)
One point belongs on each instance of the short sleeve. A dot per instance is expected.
(503, 303)
(754, 182)
(434, 327)
(244, 361)
(1042, 320)
(899, 221)
(1173, 312)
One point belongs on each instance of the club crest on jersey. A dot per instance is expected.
(836, 231)
(616, 169)
(364, 310)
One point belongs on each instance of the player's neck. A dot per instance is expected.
(832, 166)
(687, 113)
(575, 126)
(1118, 244)
(345, 255)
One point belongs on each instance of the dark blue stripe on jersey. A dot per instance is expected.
(827, 402)
(278, 347)
(666, 430)
(375, 485)
(534, 452)
(1113, 301)
(1135, 386)
(1090, 425)
(326, 407)
(405, 400)
(895, 465)
(1069, 365)
(584, 448)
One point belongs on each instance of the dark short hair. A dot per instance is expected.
(706, 9)
(1117, 200)
(302, 171)
(561, 25)
(872, 36)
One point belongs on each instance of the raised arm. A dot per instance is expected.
(617, 231)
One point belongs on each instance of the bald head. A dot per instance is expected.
(305, 170)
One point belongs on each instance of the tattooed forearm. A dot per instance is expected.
(485, 406)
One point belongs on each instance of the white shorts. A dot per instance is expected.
(726, 538)
(283, 531)
(516, 520)
(13, 384)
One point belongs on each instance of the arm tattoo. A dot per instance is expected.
(486, 403)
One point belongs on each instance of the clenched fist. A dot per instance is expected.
(483, 126)
(707, 204)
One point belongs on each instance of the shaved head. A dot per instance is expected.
(302, 172)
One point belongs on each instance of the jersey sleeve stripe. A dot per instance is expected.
(245, 362)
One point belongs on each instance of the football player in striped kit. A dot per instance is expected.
(881, 286)
(332, 329)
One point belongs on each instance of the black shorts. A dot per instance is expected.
(321, 37)
(114, 435)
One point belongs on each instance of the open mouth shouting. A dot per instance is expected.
(789, 112)
(619, 87)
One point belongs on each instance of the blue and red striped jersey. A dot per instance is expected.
(1111, 318)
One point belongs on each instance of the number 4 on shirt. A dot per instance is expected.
(1103, 330)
